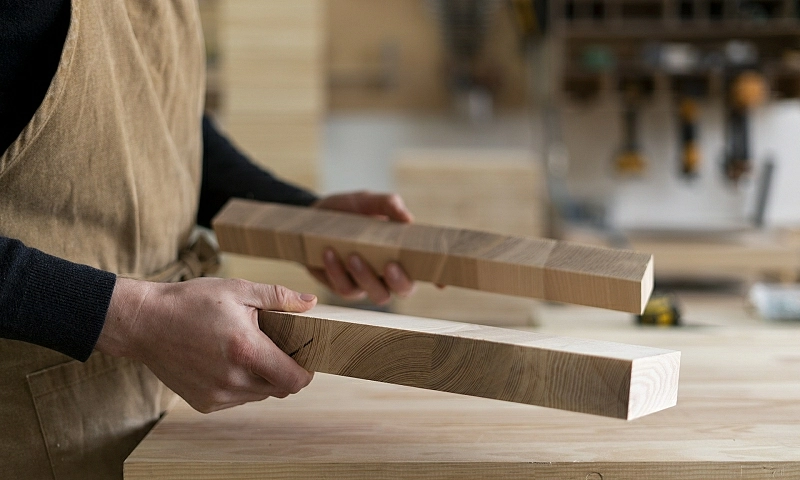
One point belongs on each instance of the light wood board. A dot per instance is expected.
(738, 416)
(497, 190)
(601, 378)
(747, 255)
(539, 268)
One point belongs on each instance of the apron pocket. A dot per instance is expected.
(93, 414)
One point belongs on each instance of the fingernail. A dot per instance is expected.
(330, 257)
(393, 271)
(307, 297)
(356, 263)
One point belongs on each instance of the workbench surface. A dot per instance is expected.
(738, 416)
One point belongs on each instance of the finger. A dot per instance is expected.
(391, 205)
(277, 297)
(225, 406)
(397, 280)
(339, 279)
(226, 399)
(259, 389)
(277, 368)
(366, 278)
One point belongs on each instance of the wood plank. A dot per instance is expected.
(746, 255)
(540, 268)
(601, 378)
(738, 416)
(498, 190)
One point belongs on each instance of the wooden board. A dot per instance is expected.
(497, 190)
(538, 268)
(601, 378)
(738, 416)
(749, 255)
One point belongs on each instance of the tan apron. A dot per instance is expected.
(106, 174)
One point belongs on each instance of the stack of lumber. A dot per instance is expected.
(271, 55)
(273, 101)
(496, 190)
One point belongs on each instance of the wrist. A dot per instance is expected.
(118, 337)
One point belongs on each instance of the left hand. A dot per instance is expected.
(352, 278)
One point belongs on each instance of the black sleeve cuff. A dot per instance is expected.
(51, 302)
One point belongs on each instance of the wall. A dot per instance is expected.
(413, 78)
(661, 198)
(359, 148)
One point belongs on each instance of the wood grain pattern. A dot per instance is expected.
(738, 416)
(498, 190)
(601, 378)
(540, 268)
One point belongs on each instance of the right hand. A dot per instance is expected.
(201, 338)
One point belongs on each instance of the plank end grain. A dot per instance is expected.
(538, 268)
(599, 277)
(587, 376)
(654, 384)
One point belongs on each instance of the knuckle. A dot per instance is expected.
(202, 407)
(239, 285)
(217, 398)
(297, 383)
(229, 381)
(280, 295)
(241, 350)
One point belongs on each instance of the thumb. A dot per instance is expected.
(277, 297)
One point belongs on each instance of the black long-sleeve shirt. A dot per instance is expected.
(49, 301)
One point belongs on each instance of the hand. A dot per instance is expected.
(201, 338)
(351, 277)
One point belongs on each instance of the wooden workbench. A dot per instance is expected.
(738, 416)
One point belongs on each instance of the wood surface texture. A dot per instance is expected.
(539, 268)
(601, 378)
(738, 417)
(498, 190)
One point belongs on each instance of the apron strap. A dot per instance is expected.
(199, 259)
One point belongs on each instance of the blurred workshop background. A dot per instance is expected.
(668, 126)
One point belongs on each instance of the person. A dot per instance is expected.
(107, 165)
